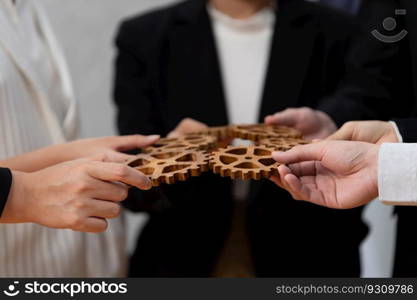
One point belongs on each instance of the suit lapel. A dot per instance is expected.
(195, 84)
(290, 56)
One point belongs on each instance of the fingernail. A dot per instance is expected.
(148, 184)
(153, 137)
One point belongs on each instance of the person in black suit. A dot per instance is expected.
(168, 71)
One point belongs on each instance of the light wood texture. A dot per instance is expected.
(282, 144)
(257, 132)
(170, 167)
(183, 143)
(253, 162)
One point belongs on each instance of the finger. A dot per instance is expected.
(302, 153)
(92, 225)
(345, 133)
(117, 157)
(130, 142)
(109, 191)
(284, 171)
(102, 209)
(277, 181)
(300, 191)
(287, 117)
(306, 192)
(173, 134)
(118, 172)
(305, 168)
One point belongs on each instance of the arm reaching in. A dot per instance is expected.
(334, 174)
(375, 132)
(46, 157)
(78, 195)
(314, 124)
(186, 126)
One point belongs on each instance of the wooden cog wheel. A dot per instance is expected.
(170, 167)
(257, 132)
(183, 143)
(253, 162)
(221, 132)
(282, 144)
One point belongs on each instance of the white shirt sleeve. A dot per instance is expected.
(397, 174)
(397, 131)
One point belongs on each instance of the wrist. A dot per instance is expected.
(394, 133)
(373, 168)
(15, 209)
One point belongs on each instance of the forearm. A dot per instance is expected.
(39, 159)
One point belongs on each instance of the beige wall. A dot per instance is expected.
(86, 29)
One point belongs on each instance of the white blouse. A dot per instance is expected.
(37, 109)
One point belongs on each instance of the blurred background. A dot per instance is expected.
(86, 29)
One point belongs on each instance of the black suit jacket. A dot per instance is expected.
(167, 69)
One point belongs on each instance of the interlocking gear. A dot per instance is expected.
(253, 162)
(170, 167)
(183, 143)
(257, 132)
(221, 132)
(282, 144)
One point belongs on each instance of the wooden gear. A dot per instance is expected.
(221, 132)
(170, 167)
(253, 162)
(257, 132)
(281, 144)
(183, 143)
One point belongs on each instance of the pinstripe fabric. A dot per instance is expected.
(37, 109)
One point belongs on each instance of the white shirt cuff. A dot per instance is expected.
(397, 174)
(397, 131)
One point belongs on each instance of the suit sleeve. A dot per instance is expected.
(137, 110)
(364, 91)
(6, 180)
(407, 129)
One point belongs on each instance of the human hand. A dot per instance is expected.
(186, 126)
(375, 132)
(314, 124)
(334, 174)
(78, 195)
(110, 146)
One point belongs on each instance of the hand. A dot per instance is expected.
(375, 132)
(110, 146)
(186, 126)
(314, 124)
(78, 195)
(334, 174)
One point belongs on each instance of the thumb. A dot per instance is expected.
(284, 118)
(129, 142)
(302, 153)
(345, 133)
